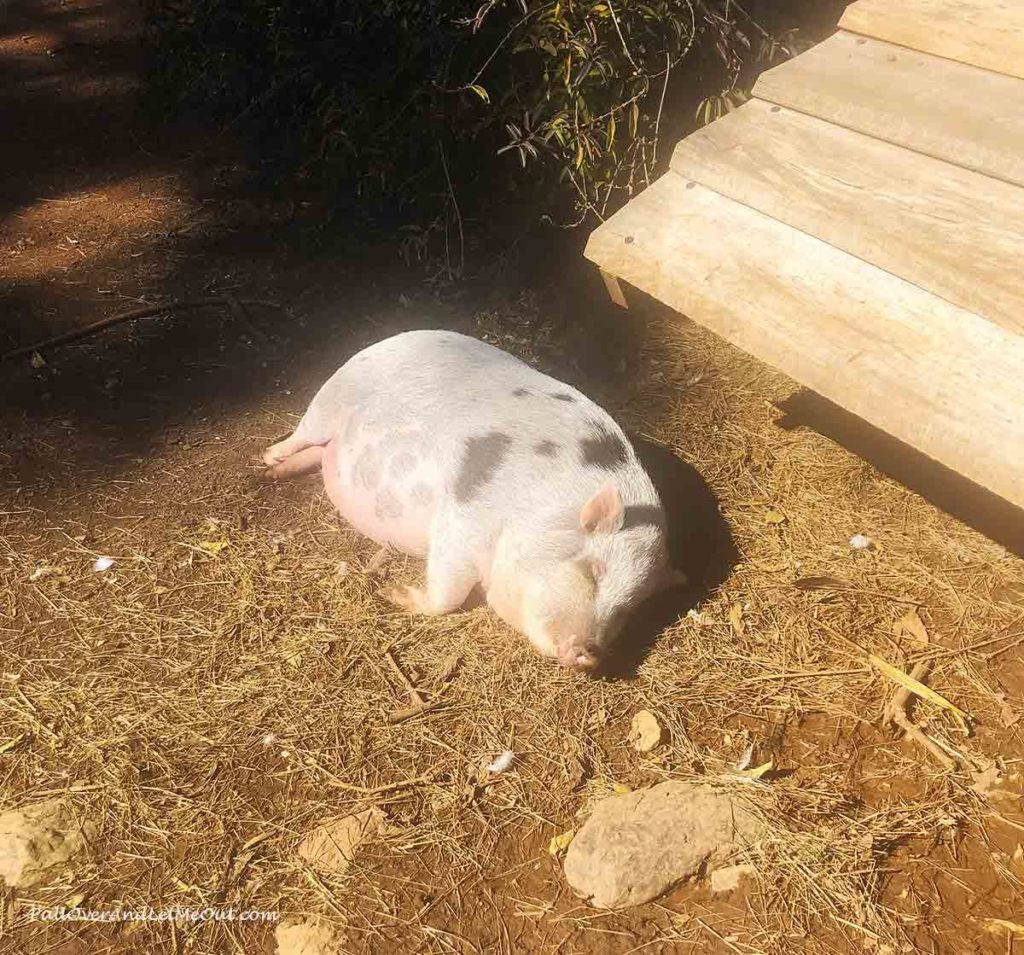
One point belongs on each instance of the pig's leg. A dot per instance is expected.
(278, 453)
(295, 465)
(326, 417)
(451, 576)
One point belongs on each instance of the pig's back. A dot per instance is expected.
(460, 390)
(429, 415)
(424, 374)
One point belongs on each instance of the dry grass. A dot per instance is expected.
(210, 708)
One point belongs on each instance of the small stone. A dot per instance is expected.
(309, 937)
(729, 878)
(645, 732)
(38, 839)
(331, 847)
(637, 846)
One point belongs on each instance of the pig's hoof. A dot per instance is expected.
(257, 478)
(408, 598)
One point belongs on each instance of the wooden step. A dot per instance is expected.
(986, 33)
(952, 231)
(945, 380)
(962, 114)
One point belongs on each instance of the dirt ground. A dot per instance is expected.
(224, 686)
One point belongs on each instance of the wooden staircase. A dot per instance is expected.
(859, 224)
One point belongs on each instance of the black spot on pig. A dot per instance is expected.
(563, 396)
(520, 393)
(482, 457)
(388, 506)
(546, 449)
(603, 449)
(366, 470)
(643, 515)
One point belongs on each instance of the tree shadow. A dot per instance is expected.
(700, 544)
(61, 135)
(75, 127)
(82, 192)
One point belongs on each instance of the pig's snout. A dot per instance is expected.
(579, 656)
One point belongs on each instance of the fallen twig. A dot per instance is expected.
(400, 716)
(896, 714)
(377, 561)
(147, 311)
(917, 687)
(417, 697)
(377, 790)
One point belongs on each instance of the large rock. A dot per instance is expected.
(637, 846)
(309, 937)
(38, 839)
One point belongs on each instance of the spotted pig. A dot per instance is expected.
(505, 479)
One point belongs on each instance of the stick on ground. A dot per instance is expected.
(896, 714)
(147, 311)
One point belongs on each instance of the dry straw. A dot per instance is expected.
(229, 682)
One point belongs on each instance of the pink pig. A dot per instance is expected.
(447, 448)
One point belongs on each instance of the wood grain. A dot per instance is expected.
(985, 33)
(952, 231)
(935, 375)
(962, 114)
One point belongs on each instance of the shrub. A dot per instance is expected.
(420, 101)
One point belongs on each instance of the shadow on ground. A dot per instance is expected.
(107, 211)
(951, 492)
(700, 544)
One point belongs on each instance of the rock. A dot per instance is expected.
(309, 937)
(645, 732)
(729, 878)
(637, 846)
(38, 839)
(331, 847)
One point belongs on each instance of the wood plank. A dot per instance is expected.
(962, 114)
(615, 293)
(952, 231)
(985, 33)
(935, 375)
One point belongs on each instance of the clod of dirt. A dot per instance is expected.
(311, 937)
(332, 846)
(729, 878)
(38, 839)
(637, 846)
(645, 732)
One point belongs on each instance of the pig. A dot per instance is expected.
(506, 480)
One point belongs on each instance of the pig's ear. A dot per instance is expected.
(602, 514)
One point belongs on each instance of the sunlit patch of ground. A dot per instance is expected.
(224, 685)
(226, 680)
